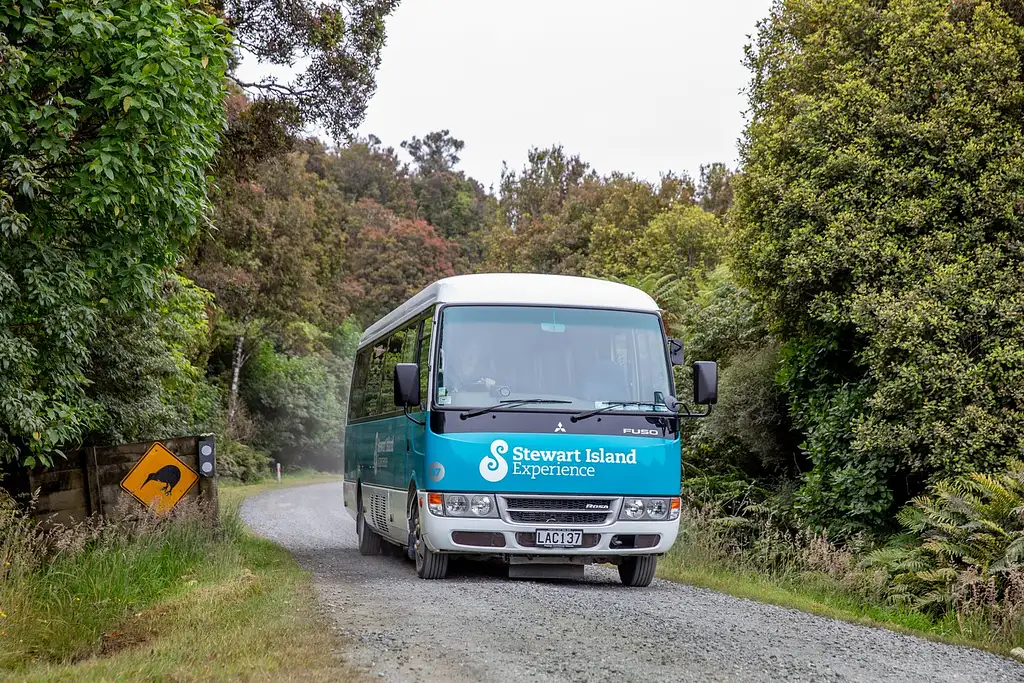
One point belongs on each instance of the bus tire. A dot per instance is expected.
(429, 565)
(369, 540)
(637, 571)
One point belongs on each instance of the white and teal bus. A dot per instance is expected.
(529, 419)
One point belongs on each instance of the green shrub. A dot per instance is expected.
(146, 369)
(239, 461)
(751, 414)
(879, 223)
(97, 194)
(721, 318)
(964, 545)
(297, 403)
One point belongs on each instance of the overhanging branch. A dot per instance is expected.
(276, 88)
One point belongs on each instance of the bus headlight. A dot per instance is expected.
(481, 505)
(455, 505)
(463, 505)
(657, 508)
(633, 508)
(650, 509)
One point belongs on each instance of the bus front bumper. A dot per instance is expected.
(495, 536)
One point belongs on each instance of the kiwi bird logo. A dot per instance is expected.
(168, 475)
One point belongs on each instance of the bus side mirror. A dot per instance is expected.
(675, 351)
(705, 383)
(407, 385)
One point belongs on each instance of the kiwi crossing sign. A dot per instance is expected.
(159, 479)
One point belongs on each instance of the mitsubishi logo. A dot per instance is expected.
(559, 428)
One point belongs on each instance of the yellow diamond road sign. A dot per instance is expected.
(159, 479)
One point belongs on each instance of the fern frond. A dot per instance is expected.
(1013, 557)
(949, 549)
(942, 575)
(987, 525)
(934, 598)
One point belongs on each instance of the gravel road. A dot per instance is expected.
(478, 626)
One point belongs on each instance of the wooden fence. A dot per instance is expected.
(88, 481)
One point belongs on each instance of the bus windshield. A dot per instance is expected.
(578, 358)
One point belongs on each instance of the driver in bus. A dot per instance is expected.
(466, 371)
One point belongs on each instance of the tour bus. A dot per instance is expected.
(529, 419)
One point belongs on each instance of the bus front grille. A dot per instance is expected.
(544, 510)
(525, 517)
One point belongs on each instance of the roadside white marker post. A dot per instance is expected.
(278, 473)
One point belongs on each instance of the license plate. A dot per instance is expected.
(560, 538)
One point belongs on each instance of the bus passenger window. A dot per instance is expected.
(373, 381)
(357, 400)
(423, 357)
(409, 344)
(392, 357)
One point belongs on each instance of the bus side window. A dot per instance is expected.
(423, 357)
(409, 343)
(357, 397)
(373, 381)
(392, 356)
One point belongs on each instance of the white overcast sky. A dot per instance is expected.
(641, 86)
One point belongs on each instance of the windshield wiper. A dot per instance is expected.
(612, 404)
(510, 403)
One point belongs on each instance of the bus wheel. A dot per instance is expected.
(429, 565)
(637, 570)
(369, 540)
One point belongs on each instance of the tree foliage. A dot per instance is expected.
(341, 41)
(557, 215)
(456, 206)
(391, 259)
(437, 152)
(297, 394)
(880, 212)
(545, 213)
(277, 253)
(366, 169)
(277, 258)
(684, 240)
(147, 370)
(109, 114)
(715, 189)
(628, 206)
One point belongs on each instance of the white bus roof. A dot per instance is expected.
(523, 289)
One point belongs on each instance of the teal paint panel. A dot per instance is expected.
(386, 452)
(553, 463)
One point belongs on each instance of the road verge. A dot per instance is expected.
(232, 607)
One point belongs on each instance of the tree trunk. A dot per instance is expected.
(236, 370)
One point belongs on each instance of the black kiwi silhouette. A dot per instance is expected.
(168, 475)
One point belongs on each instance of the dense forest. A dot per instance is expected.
(175, 257)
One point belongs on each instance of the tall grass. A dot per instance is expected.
(63, 588)
(759, 555)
